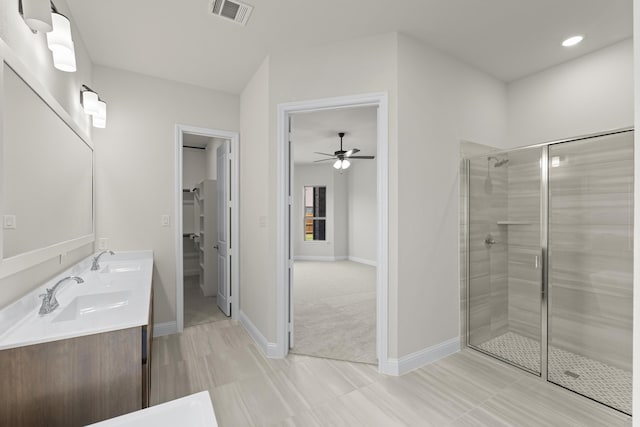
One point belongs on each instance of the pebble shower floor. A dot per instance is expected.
(606, 384)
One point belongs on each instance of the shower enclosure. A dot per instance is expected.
(549, 241)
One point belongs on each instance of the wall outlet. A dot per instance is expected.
(9, 222)
(103, 243)
(165, 220)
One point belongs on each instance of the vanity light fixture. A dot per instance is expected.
(94, 106)
(36, 14)
(572, 41)
(60, 43)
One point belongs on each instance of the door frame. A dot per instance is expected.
(283, 232)
(235, 234)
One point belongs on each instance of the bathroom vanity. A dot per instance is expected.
(89, 359)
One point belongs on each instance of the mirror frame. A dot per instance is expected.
(23, 261)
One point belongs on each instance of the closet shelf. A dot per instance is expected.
(508, 222)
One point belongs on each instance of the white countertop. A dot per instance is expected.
(190, 411)
(114, 297)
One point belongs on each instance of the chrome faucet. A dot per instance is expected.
(96, 266)
(49, 301)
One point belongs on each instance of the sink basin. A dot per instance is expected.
(121, 267)
(86, 306)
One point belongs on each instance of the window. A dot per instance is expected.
(315, 213)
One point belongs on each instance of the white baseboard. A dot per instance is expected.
(167, 328)
(319, 258)
(269, 349)
(420, 358)
(363, 261)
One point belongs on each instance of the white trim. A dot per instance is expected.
(362, 261)
(382, 278)
(166, 328)
(319, 258)
(421, 358)
(269, 349)
(235, 216)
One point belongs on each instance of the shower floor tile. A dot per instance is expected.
(606, 384)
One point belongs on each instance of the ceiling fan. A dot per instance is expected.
(342, 157)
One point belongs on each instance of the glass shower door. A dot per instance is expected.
(591, 267)
(504, 256)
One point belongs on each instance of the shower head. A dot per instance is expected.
(499, 162)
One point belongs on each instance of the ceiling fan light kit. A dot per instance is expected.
(343, 157)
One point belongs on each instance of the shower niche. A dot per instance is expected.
(549, 251)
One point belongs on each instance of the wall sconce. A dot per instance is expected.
(36, 14)
(94, 106)
(60, 43)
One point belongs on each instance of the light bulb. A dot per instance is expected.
(60, 43)
(90, 102)
(572, 41)
(338, 164)
(345, 164)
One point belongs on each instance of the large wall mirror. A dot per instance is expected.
(46, 199)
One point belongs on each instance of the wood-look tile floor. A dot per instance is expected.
(465, 389)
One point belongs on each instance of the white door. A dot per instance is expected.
(223, 207)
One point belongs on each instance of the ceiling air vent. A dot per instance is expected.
(233, 10)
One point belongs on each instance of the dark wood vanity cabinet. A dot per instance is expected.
(77, 381)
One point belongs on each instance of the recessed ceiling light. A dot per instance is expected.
(572, 41)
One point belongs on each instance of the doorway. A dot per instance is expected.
(333, 290)
(286, 215)
(206, 182)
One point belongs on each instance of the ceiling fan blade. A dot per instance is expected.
(351, 152)
(322, 160)
(324, 154)
(363, 157)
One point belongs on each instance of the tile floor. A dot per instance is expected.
(464, 389)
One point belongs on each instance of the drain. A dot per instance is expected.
(571, 374)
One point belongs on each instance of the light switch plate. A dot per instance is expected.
(9, 222)
(165, 220)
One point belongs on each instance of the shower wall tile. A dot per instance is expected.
(524, 277)
(591, 248)
(488, 291)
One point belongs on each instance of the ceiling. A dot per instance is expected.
(181, 41)
(318, 131)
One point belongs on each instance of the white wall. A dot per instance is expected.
(334, 247)
(32, 50)
(340, 213)
(441, 101)
(366, 65)
(257, 245)
(590, 94)
(135, 160)
(362, 212)
(194, 167)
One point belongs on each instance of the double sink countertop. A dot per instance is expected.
(114, 297)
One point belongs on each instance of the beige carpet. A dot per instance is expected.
(335, 310)
(199, 309)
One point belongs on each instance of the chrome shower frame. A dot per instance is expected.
(544, 245)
